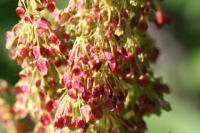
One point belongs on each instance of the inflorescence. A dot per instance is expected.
(85, 68)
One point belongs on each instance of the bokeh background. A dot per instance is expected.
(179, 63)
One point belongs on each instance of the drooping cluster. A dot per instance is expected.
(85, 68)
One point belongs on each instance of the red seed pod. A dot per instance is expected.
(125, 14)
(133, 23)
(73, 94)
(59, 123)
(50, 52)
(58, 62)
(96, 92)
(86, 96)
(97, 112)
(80, 123)
(143, 80)
(46, 119)
(67, 120)
(124, 53)
(20, 11)
(49, 105)
(76, 71)
(50, 7)
(38, 83)
(63, 48)
(109, 104)
(138, 50)
(24, 52)
(105, 90)
(54, 38)
(28, 18)
(161, 88)
(143, 26)
(154, 54)
(66, 37)
(42, 96)
(95, 65)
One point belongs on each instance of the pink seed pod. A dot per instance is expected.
(42, 66)
(42, 24)
(160, 17)
(36, 52)
(86, 112)
(9, 39)
(80, 4)
(108, 56)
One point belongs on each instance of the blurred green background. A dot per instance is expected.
(179, 63)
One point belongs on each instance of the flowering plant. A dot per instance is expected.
(85, 68)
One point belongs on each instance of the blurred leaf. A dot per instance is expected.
(62, 3)
(8, 69)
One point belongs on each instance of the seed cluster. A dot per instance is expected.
(85, 68)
